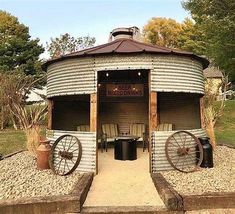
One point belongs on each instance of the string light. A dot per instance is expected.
(139, 73)
(107, 74)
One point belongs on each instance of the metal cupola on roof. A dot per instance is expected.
(125, 33)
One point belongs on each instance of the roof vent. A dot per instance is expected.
(125, 33)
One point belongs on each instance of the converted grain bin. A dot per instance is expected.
(125, 82)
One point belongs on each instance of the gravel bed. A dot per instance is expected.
(221, 178)
(19, 178)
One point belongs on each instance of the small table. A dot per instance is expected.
(125, 148)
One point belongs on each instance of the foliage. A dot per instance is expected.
(191, 37)
(216, 19)
(14, 88)
(66, 44)
(162, 31)
(213, 112)
(169, 33)
(17, 50)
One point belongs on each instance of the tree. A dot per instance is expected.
(66, 44)
(191, 37)
(162, 31)
(214, 107)
(17, 50)
(14, 87)
(217, 21)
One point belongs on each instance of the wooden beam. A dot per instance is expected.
(50, 107)
(153, 114)
(202, 112)
(93, 112)
(153, 121)
(93, 121)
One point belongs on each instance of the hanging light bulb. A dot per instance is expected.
(107, 74)
(139, 73)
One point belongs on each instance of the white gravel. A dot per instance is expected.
(221, 178)
(19, 178)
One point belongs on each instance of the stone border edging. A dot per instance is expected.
(228, 145)
(50, 204)
(13, 153)
(171, 198)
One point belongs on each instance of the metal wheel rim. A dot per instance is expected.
(53, 153)
(199, 152)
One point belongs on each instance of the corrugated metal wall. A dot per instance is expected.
(88, 141)
(168, 73)
(177, 74)
(72, 76)
(158, 156)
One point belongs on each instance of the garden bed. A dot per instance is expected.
(220, 178)
(23, 187)
(208, 188)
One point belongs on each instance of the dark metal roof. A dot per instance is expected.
(126, 46)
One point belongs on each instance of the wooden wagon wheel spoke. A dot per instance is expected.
(65, 150)
(188, 151)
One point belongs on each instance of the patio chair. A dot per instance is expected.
(165, 127)
(139, 130)
(109, 132)
(83, 128)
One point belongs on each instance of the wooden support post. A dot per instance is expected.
(93, 112)
(93, 121)
(202, 112)
(50, 112)
(153, 114)
(153, 121)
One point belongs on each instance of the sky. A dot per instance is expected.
(49, 18)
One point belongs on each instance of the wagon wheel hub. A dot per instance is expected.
(66, 155)
(183, 151)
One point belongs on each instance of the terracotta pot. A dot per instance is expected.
(43, 154)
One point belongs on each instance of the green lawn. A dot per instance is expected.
(12, 141)
(225, 127)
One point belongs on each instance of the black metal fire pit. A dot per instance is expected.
(125, 148)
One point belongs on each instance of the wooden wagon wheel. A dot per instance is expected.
(66, 154)
(184, 151)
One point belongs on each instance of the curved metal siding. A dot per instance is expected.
(72, 76)
(158, 140)
(88, 141)
(177, 74)
(123, 62)
(168, 73)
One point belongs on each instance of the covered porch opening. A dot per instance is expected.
(123, 103)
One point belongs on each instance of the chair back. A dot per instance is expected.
(110, 129)
(83, 128)
(137, 129)
(165, 127)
